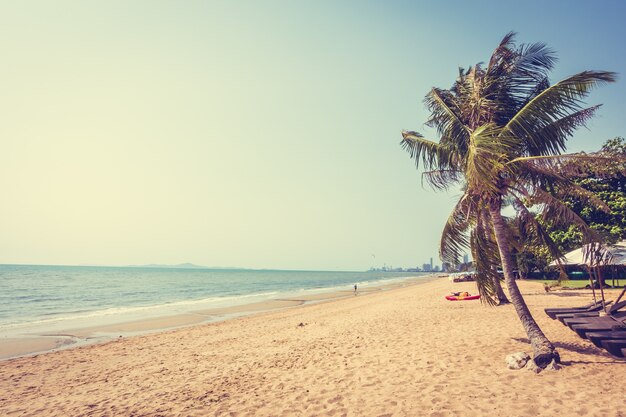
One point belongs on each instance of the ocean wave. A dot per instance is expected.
(170, 307)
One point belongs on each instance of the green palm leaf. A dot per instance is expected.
(555, 103)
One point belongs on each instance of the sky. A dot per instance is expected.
(257, 134)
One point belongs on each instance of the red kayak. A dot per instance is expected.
(462, 298)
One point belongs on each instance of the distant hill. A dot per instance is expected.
(188, 265)
(185, 265)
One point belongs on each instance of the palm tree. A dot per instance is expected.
(503, 129)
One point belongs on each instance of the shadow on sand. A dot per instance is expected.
(573, 347)
(567, 293)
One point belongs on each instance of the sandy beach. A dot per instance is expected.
(401, 352)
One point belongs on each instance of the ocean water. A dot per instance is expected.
(48, 297)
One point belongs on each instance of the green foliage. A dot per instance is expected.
(610, 188)
(615, 146)
(567, 239)
(606, 180)
(532, 258)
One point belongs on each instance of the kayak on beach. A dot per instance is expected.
(462, 296)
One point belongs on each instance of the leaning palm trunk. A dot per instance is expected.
(544, 351)
(500, 295)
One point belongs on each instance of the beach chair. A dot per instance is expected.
(599, 324)
(615, 310)
(592, 310)
(552, 312)
(597, 337)
(593, 313)
(614, 346)
(572, 321)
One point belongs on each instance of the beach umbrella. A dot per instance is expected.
(594, 256)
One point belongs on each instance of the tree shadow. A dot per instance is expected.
(567, 293)
(587, 350)
(573, 347)
(612, 362)
(521, 340)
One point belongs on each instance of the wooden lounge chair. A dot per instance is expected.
(592, 309)
(599, 324)
(614, 346)
(615, 310)
(552, 312)
(565, 316)
(590, 320)
(597, 337)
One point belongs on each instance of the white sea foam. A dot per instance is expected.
(176, 307)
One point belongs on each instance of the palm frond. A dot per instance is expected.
(442, 179)
(550, 174)
(558, 131)
(534, 233)
(454, 239)
(531, 67)
(555, 211)
(504, 52)
(484, 159)
(571, 190)
(486, 259)
(431, 154)
(554, 103)
(573, 164)
(445, 117)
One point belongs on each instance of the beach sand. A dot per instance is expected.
(401, 352)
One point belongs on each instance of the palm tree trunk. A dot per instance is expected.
(500, 293)
(544, 351)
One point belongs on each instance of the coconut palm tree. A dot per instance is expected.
(503, 129)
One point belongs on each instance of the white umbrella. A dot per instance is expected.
(594, 256)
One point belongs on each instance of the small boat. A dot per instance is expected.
(462, 297)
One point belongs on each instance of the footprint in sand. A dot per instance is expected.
(335, 399)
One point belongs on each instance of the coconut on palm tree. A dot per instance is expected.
(503, 129)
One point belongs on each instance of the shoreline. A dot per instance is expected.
(68, 337)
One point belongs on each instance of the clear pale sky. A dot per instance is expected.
(255, 134)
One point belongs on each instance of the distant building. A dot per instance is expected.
(426, 268)
(465, 258)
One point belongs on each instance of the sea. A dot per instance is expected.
(37, 298)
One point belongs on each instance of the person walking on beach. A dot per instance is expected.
(355, 289)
